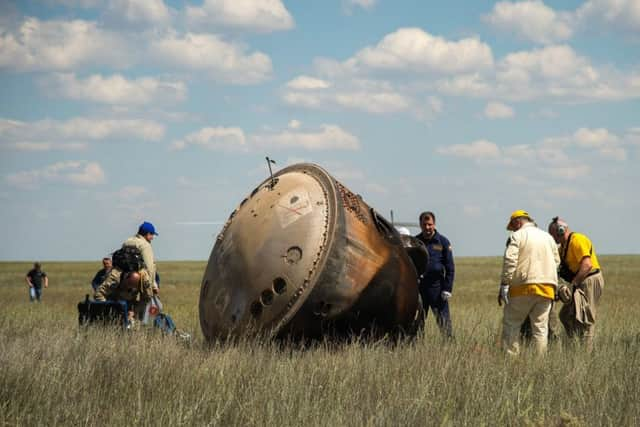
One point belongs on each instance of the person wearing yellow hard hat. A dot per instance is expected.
(528, 282)
(515, 218)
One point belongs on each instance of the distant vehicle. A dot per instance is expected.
(403, 227)
(304, 257)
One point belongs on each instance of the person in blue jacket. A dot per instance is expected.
(436, 283)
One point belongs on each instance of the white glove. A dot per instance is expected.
(503, 296)
(445, 295)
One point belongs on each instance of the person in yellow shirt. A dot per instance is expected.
(528, 283)
(581, 269)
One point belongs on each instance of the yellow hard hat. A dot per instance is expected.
(520, 213)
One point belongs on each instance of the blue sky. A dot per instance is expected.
(119, 111)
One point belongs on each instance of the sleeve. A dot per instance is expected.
(147, 256)
(108, 287)
(556, 254)
(449, 266)
(96, 280)
(146, 286)
(582, 248)
(510, 260)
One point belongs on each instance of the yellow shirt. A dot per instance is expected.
(579, 247)
(546, 291)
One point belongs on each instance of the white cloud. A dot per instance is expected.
(74, 133)
(472, 84)
(585, 140)
(44, 146)
(84, 4)
(570, 171)
(384, 102)
(558, 72)
(213, 56)
(365, 4)
(535, 21)
(81, 173)
(498, 110)
(139, 11)
(531, 20)
(434, 104)
(416, 50)
(566, 157)
(306, 82)
(329, 137)
(305, 99)
(632, 136)
(60, 45)
(378, 102)
(294, 124)
(253, 15)
(373, 187)
(361, 94)
(552, 62)
(346, 173)
(566, 193)
(480, 149)
(131, 192)
(349, 5)
(606, 143)
(214, 138)
(117, 89)
(554, 72)
(614, 14)
(98, 129)
(594, 138)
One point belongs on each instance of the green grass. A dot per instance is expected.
(54, 373)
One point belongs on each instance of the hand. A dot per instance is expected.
(564, 292)
(445, 295)
(503, 295)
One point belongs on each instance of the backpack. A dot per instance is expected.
(128, 258)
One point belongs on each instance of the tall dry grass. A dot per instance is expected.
(54, 373)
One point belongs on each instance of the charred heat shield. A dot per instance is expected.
(302, 256)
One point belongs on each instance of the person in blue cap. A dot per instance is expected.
(142, 241)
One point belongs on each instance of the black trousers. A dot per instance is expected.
(432, 299)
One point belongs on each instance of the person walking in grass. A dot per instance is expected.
(36, 278)
(528, 283)
(581, 269)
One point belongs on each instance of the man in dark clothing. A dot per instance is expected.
(102, 273)
(36, 278)
(436, 283)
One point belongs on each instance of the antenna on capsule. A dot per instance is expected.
(273, 180)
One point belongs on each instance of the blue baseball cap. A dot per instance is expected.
(147, 227)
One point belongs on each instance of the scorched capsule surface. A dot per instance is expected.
(302, 256)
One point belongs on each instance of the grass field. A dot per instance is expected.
(54, 373)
